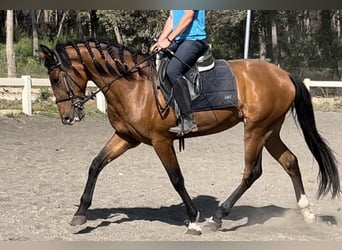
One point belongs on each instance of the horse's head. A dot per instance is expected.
(72, 64)
(68, 84)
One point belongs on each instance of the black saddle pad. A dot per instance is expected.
(218, 88)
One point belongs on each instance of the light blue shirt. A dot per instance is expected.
(196, 29)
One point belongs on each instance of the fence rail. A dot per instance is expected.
(323, 84)
(26, 82)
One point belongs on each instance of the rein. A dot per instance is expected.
(108, 85)
(83, 99)
(79, 101)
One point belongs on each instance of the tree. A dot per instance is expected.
(11, 69)
(337, 23)
(260, 23)
(34, 32)
(225, 32)
(327, 47)
(274, 35)
(306, 42)
(133, 28)
(79, 25)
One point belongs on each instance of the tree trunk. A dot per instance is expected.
(326, 38)
(60, 26)
(117, 32)
(274, 36)
(338, 23)
(34, 33)
(10, 55)
(93, 23)
(79, 24)
(262, 42)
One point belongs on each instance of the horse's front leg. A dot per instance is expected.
(115, 147)
(167, 155)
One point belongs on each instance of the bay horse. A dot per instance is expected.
(136, 110)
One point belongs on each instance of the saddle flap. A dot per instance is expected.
(204, 63)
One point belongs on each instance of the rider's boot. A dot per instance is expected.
(182, 96)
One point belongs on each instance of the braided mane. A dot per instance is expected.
(115, 51)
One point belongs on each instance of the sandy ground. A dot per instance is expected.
(44, 167)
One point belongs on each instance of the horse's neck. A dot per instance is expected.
(119, 89)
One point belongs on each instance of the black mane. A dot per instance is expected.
(103, 46)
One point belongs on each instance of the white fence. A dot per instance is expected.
(326, 84)
(26, 82)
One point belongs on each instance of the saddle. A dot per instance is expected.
(205, 62)
(211, 83)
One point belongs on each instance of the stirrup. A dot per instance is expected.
(182, 129)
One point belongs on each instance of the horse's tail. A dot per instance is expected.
(328, 173)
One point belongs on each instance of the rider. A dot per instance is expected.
(184, 34)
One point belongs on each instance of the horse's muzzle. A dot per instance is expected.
(75, 116)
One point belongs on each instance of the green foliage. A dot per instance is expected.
(224, 30)
(302, 52)
(45, 93)
(3, 61)
(307, 39)
(45, 107)
(8, 104)
(26, 63)
(137, 28)
(14, 114)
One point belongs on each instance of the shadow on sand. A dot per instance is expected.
(176, 214)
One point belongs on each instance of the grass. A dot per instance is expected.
(13, 114)
(333, 104)
(6, 104)
(44, 108)
(49, 108)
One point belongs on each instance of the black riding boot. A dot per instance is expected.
(183, 99)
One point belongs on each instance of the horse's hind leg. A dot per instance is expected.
(253, 169)
(167, 155)
(289, 162)
(115, 147)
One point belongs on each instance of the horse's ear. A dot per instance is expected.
(44, 52)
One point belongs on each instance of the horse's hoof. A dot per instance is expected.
(212, 225)
(194, 229)
(78, 220)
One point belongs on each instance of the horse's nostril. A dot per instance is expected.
(66, 120)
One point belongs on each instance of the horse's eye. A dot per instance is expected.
(54, 80)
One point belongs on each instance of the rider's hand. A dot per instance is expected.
(163, 43)
(153, 47)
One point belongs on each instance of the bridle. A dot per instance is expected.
(77, 102)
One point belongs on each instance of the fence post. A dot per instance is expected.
(307, 83)
(101, 102)
(26, 95)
